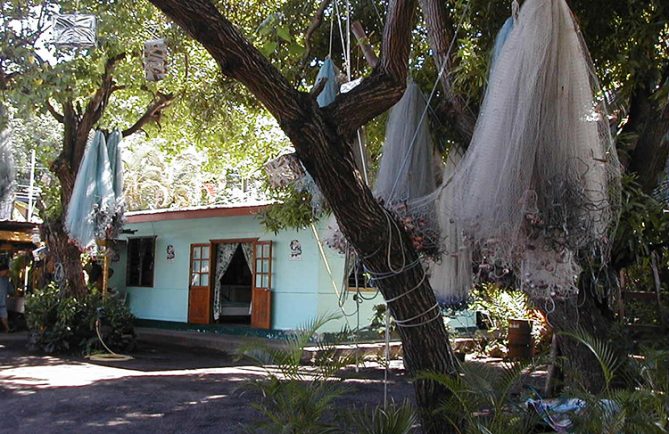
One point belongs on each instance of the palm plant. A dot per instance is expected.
(636, 394)
(482, 399)
(396, 419)
(298, 399)
(295, 398)
(152, 179)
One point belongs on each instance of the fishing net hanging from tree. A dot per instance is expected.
(408, 171)
(451, 274)
(540, 182)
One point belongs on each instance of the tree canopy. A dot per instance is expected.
(242, 68)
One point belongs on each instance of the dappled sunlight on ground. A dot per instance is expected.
(166, 390)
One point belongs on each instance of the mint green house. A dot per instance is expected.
(210, 265)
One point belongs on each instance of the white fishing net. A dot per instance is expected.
(540, 182)
(407, 171)
(451, 274)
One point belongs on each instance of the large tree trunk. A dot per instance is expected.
(65, 168)
(590, 313)
(320, 137)
(66, 255)
(385, 250)
(579, 365)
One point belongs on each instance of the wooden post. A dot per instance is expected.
(105, 272)
(102, 244)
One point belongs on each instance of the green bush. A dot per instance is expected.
(65, 324)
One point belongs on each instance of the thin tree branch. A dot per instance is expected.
(59, 117)
(367, 50)
(152, 113)
(441, 31)
(316, 22)
(98, 102)
(387, 83)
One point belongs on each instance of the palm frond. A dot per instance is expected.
(608, 360)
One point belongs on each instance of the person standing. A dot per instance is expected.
(6, 288)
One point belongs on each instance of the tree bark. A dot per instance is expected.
(321, 137)
(441, 32)
(652, 148)
(579, 365)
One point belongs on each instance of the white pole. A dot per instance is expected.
(32, 185)
(348, 40)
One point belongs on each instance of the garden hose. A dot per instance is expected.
(111, 356)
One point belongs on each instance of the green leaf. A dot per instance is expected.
(268, 48)
(295, 49)
(284, 33)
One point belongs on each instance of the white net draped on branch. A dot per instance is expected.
(451, 274)
(540, 182)
(408, 171)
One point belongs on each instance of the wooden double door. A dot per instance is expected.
(201, 286)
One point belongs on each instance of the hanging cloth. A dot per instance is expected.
(331, 88)
(247, 249)
(224, 254)
(500, 40)
(540, 180)
(93, 201)
(407, 171)
(504, 33)
(116, 169)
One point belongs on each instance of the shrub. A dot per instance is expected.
(61, 323)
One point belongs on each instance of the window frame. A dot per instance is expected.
(365, 281)
(139, 284)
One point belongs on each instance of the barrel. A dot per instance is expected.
(520, 339)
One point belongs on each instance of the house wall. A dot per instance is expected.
(329, 301)
(301, 289)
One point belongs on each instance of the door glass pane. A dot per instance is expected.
(204, 268)
(204, 280)
(265, 251)
(196, 252)
(258, 280)
(194, 281)
(196, 266)
(205, 252)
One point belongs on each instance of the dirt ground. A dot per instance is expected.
(164, 389)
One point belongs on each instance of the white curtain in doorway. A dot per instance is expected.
(224, 254)
(247, 248)
(248, 254)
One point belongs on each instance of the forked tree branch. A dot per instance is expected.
(59, 117)
(152, 113)
(240, 60)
